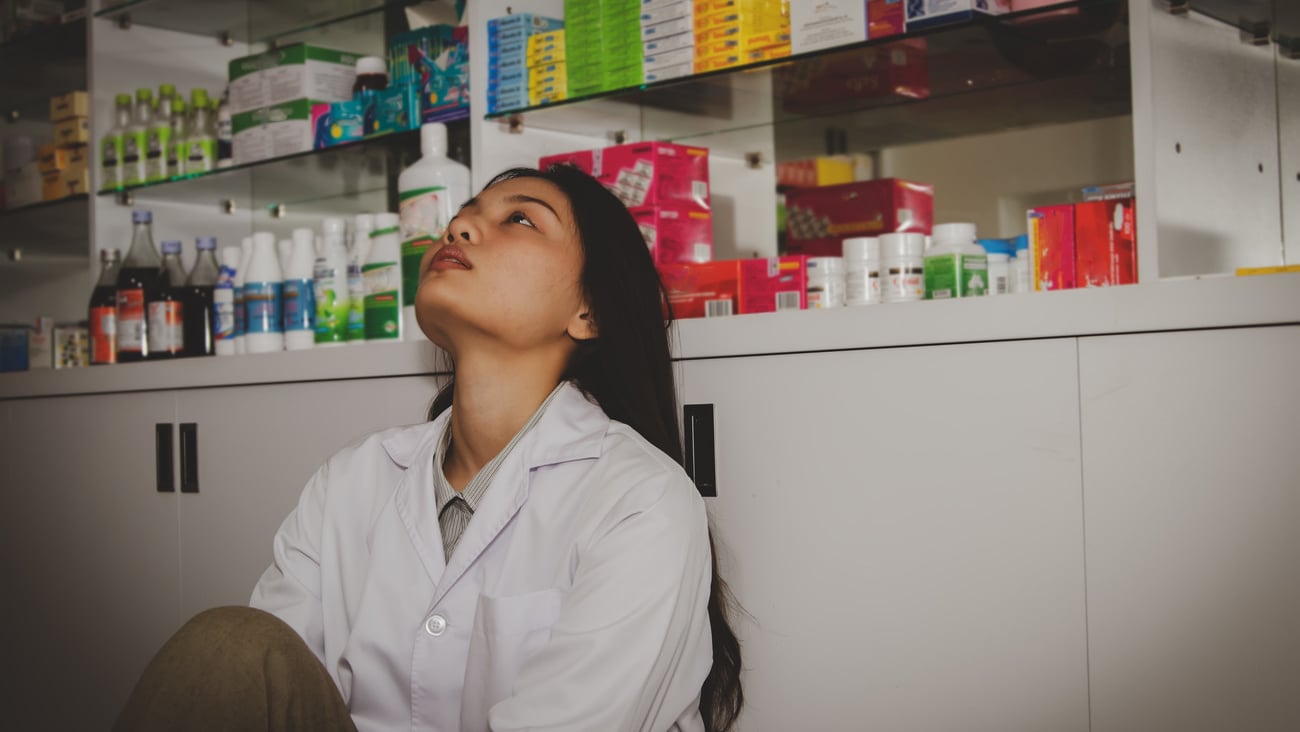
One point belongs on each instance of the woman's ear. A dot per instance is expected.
(582, 326)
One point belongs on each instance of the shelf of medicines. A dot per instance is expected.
(252, 22)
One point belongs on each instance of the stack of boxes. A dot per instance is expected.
(737, 32)
(602, 45)
(64, 163)
(548, 74)
(435, 61)
(667, 39)
(818, 219)
(1088, 244)
(508, 58)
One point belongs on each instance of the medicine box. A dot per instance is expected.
(72, 104)
(657, 61)
(334, 123)
(669, 72)
(524, 24)
(285, 75)
(40, 343)
(71, 346)
(827, 170)
(827, 23)
(669, 43)
(272, 132)
(72, 131)
(702, 290)
(818, 219)
(51, 159)
(884, 18)
(897, 70)
(646, 173)
(436, 60)
(1051, 247)
(676, 233)
(1105, 241)
(927, 13)
(769, 285)
(664, 12)
(51, 185)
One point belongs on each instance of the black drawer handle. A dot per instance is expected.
(189, 457)
(162, 444)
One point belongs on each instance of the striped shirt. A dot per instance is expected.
(456, 509)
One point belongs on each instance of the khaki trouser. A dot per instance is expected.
(235, 669)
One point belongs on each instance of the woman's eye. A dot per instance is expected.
(519, 218)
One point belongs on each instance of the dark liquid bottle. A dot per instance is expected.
(138, 284)
(167, 313)
(103, 309)
(197, 299)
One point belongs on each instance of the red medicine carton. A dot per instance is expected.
(1051, 243)
(676, 233)
(1105, 241)
(819, 219)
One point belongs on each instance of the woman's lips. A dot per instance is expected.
(450, 257)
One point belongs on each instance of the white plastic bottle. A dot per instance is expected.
(330, 276)
(902, 267)
(861, 270)
(430, 192)
(299, 295)
(263, 290)
(283, 250)
(955, 266)
(241, 309)
(133, 141)
(383, 278)
(825, 283)
(223, 303)
(110, 147)
(362, 225)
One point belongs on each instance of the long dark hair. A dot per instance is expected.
(628, 371)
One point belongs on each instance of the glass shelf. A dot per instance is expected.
(1250, 16)
(47, 229)
(1066, 62)
(39, 64)
(251, 22)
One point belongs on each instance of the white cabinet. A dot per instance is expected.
(904, 529)
(88, 547)
(1192, 478)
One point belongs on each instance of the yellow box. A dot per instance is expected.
(51, 159)
(704, 7)
(714, 48)
(717, 19)
(554, 38)
(538, 99)
(78, 156)
(1254, 271)
(67, 106)
(752, 41)
(767, 54)
(52, 185)
(75, 180)
(544, 58)
(72, 131)
(720, 33)
(706, 64)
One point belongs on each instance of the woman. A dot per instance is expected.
(532, 558)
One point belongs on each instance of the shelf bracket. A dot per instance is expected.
(754, 160)
(1179, 7)
(228, 205)
(1256, 34)
(277, 211)
(12, 115)
(514, 124)
(125, 198)
(1288, 48)
(225, 39)
(618, 137)
(124, 21)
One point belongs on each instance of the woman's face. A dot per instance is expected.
(509, 269)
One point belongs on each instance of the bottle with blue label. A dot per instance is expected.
(263, 293)
(223, 303)
(299, 292)
(362, 225)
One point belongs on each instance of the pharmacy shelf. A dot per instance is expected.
(41, 64)
(47, 230)
(249, 21)
(1170, 305)
(1065, 62)
(1252, 17)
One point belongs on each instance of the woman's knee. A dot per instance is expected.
(237, 634)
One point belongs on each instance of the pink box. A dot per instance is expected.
(819, 219)
(646, 173)
(885, 18)
(676, 233)
(1105, 242)
(1051, 244)
(702, 290)
(768, 285)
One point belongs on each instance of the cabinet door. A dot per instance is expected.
(88, 549)
(257, 448)
(903, 568)
(1192, 492)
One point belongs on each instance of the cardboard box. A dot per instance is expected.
(667, 43)
(520, 26)
(819, 218)
(665, 29)
(334, 123)
(665, 12)
(657, 61)
(75, 181)
(885, 18)
(72, 131)
(67, 106)
(273, 132)
(928, 13)
(51, 159)
(52, 185)
(40, 343)
(436, 59)
(676, 234)
(826, 170)
(646, 173)
(826, 24)
(1051, 247)
(71, 346)
(826, 83)
(769, 285)
(1105, 241)
(285, 75)
(669, 72)
(702, 290)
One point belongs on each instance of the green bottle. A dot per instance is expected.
(201, 143)
(110, 147)
(176, 152)
(133, 141)
(159, 136)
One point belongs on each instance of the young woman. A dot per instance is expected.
(532, 558)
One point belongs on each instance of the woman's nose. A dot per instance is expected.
(459, 230)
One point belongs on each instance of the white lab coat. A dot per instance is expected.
(575, 600)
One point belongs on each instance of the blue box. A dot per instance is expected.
(527, 22)
(436, 60)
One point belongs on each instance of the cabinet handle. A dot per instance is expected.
(162, 445)
(700, 462)
(189, 457)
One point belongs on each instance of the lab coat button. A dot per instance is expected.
(435, 625)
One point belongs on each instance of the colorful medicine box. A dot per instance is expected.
(818, 219)
(702, 290)
(1105, 242)
(815, 26)
(436, 59)
(926, 13)
(646, 173)
(898, 70)
(676, 234)
(773, 284)
(885, 18)
(1051, 247)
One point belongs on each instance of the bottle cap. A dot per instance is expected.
(1021, 242)
(204, 243)
(122, 99)
(166, 90)
(199, 97)
(433, 139)
(178, 104)
(140, 216)
(862, 247)
(171, 247)
(899, 246)
(142, 95)
(997, 246)
(371, 65)
(953, 233)
(825, 266)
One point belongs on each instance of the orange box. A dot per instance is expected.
(718, 19)
(718, 61)
(705, 37)
(51, 159)
(704, 7)
(715, 48)
(52, 186)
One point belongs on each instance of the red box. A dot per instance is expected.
(884, 18)
(839, 82)
(818, 219)
(702, 290)
(1105, 243)
(768, 285)
(646, 173)
(1051, 245)
(676, 233)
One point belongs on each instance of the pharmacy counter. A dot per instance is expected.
(1192, 304)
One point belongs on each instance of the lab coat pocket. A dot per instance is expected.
(507, 631)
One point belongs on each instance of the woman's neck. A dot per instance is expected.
(493, 399)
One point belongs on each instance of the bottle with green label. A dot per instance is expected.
(133, 140)
(201, 142)
(430, 192)
(159, 136)
(382, 274)
(110, 147)
(955, 266)
(362, 225)
(176, 150)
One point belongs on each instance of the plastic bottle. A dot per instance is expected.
(138, 282)
(167, 311)
(225, 132)
(241, 309)
(902, 267)
(371, 75)
(299, 293)
(103, 309)
(330, 284)
(861, 270)
(263, 293)
(176, 152)
(110, 147)
(998, 252)
(223, 303)
(383, 277)
(200, 144)
(430, 192)
(825, 282)
(159, 136)
(133, 141)
(198, 296)
(1021, 266)
(955, 266)
(362, 225)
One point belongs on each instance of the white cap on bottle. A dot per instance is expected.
(953, 234)
(433, 140)
(371, 65)
(862, 248)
